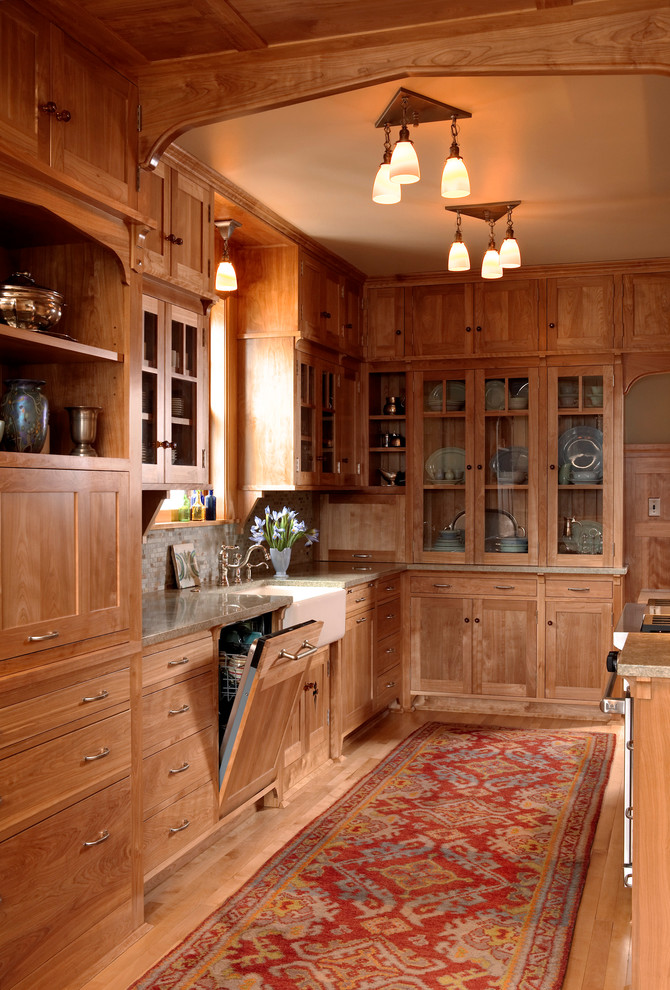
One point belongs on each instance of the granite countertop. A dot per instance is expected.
(645, 655)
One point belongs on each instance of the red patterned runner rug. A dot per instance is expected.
(457, 864)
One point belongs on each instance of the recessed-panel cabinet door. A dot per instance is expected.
(580, 313)
(506, 317)
(24, 44)
(63, 573)
(441, 646)
(505, 647)
(441, 319)
(578, 637)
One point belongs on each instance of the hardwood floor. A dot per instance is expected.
(600, 955)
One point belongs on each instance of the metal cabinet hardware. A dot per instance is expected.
(390, 684)
(96, 697)
(97, 756)
(579, 589)
(391, 615)
(180, 769)
(40, 639)
(63, 115)
(442, 586)
(305, 650)
(361, 555)
(178, 711)
(180, 828)
(504, 587)
(104, 835)
(178, 663)
(363, 619)
(391, 649)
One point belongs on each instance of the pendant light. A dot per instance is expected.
(226, 279)
(510, 256)
(455, 179)
(459, 259)
(404, 166)
(383, 190)
(491, 263)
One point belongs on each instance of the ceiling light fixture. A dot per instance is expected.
(459, 259)
(403, 167)
(226, 279)
(385, 191)
(492, 265)
(455, 178)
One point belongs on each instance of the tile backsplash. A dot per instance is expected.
(157, 569)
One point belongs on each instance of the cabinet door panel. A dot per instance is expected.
(190, 220)
(506, 317)
(578, 638)
(24, 43)
(646, 303)
(505, 648)
(440, 319)
(580, 313)
(440, 646)
(386, 323)
(154, 201)
(357, 684)
(64, 535)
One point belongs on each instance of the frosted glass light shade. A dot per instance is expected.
(459, 259)
(455, 179)
(510, 256)
(385, 191)
(404, 167)
(226, 279)
(491, 264)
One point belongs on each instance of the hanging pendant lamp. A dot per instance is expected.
(226, 279)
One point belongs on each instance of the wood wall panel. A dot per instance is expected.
(646, 538)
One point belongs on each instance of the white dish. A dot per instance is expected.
(582, 447)
(454, 398)
(510, 465)
(446, 460)
(434, 400)
(495, 394)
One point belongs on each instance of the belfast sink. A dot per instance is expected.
(310, 602)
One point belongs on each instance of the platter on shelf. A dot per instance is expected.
(582, 448)
(446, 464)
(510, 465)
(498, 523)
(454, 398)
(494, 395)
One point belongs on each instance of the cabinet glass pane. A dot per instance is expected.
(579, 458)
(150, 388)
(306, 376)
(505, 466)
(444, 469)
(183, 394)
(328, 422)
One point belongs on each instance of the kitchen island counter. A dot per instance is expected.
(645, 655)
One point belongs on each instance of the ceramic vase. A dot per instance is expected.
(25, 410)
(280, 561)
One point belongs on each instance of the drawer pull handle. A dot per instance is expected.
(361, 556)
(104, 835)
(96, 697)
(391, 615)
(390, 587)
(363, 599)
(178, 663)
(97, 756)
(391, 649)
(363, 619)
(442, 586)
(40, 639)
(390, 684)
(178, 711)
(180, 769)
(305, 650)
(504, 587)
(579, 589)
(180, 828)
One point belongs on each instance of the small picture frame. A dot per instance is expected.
(185, 565)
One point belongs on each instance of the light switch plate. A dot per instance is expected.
(654, 506)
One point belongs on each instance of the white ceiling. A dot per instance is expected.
(588, 156)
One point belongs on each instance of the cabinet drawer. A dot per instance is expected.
(387, 618)
(388, 588)
(86, 699)
(177, 711)
(387, 686)
(177, 661)
(55, 886)
(579, 586)
(360, 597)
(388, 653)
(180, 767)
(169, 831)
(475, 586)
(63, 769)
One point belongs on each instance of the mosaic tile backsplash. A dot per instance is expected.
(157, 569)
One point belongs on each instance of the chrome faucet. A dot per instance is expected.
(236, 564)
(261, 563)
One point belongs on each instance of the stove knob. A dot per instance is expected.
(612, 657)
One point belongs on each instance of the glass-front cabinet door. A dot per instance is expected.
(506, 466)
(581, 470)
(447, 445)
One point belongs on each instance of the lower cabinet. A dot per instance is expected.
(307, 740)
(67, 870)
(180, 745)
(388, 643)
(356, 700)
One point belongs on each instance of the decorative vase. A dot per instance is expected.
(83, 429)
(25, 410)
(280, 561)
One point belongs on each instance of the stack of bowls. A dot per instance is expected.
(512, 544)
(568, 393)
(594, 394)
(450, 540)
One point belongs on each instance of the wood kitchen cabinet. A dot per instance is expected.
(388, 322)
(307, 740)
(62, 106)
(352, 343)
(175, 396)
(388, 651)
(580, 313)
(356, 685)
(321, 299)
(473, 635)
(180, 249)
(646, 303)
(387, 432)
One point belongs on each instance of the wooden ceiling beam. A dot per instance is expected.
(242, 35)
(619, 37)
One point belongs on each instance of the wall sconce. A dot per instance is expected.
(403, 165)
(385, 191)
(493, 262)
(226, 279)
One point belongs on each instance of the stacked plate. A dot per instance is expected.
(512, 544)
(450, 541)
(177, 406)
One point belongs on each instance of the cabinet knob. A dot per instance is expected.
(398, 333)
(479, 467)
(348, 326)
(63, 115)
(173, 239)
(550, 623)
(552, 325)
(325, 315)
(466, 620)
(552, 467)
(468, 467)
(468, 329)
(478, 329)
(476, 620)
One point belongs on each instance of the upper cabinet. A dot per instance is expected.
(386, 323)
(180, 249)
(646, 304)
(580, 313)
(321, 302)
(66, 109)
